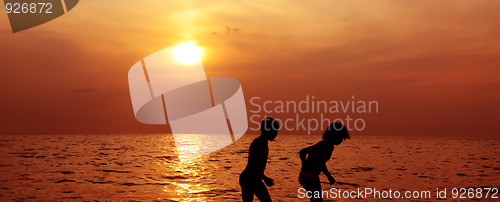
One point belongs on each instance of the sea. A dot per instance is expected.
(146, 167)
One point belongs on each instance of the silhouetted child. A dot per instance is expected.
(314, 159)
(251, 178)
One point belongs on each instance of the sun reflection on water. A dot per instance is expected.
(193, 146)
(185, 180)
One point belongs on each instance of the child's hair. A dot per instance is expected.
(269, 125)
(336, 133)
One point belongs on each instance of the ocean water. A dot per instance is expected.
(146, 167)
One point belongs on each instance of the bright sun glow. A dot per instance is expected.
(187, 54)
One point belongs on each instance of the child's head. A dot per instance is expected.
(336, 133)
(269, 128)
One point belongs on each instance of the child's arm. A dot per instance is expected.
(267, 180)
(328, 175)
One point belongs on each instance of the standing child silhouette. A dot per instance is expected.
(314, 159)
(251, 178)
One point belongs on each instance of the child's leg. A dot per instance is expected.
(247, 190)
(311, 184)
(261, 191)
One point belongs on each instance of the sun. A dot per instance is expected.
(187, 54)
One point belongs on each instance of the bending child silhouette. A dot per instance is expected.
(251, 178)
(314, 159)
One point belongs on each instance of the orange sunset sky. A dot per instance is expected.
(433, 66)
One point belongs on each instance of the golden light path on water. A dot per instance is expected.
(194, 168)
(189, 186)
